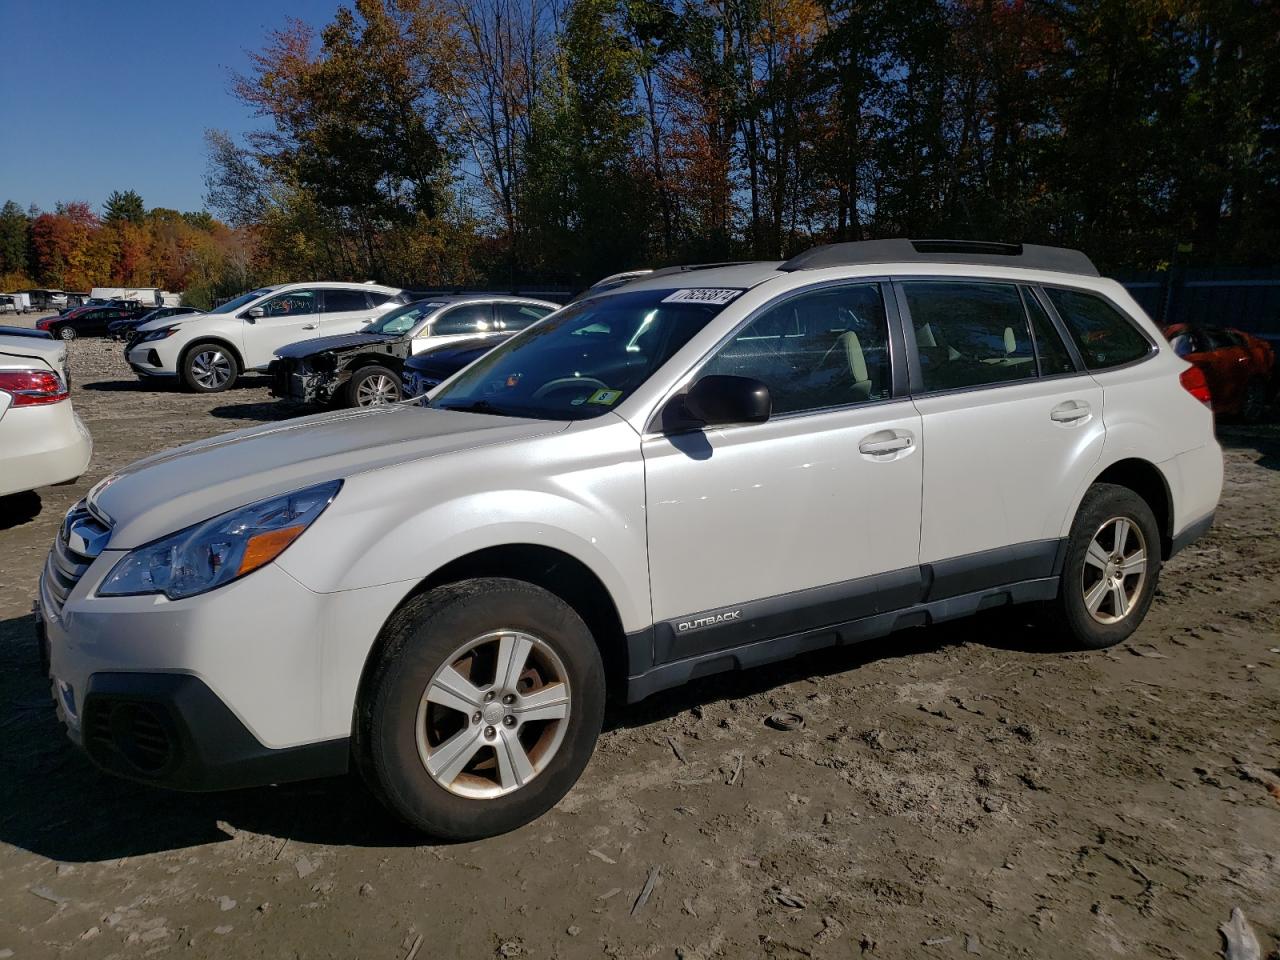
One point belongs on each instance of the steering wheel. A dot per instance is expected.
(561, 383)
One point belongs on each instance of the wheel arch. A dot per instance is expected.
(362, 360)
(220, 341)
(1146, 480)
(554, 570)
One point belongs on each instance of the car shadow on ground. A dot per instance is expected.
(55, 803)
(167, 385)
(267, 410)
(1263, 437)
(19, 508)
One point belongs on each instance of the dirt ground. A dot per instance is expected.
(956, 791)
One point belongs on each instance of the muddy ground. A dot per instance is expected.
(956, 791)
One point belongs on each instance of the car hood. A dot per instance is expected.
(341, 341)
(172, 490)
(171, 321)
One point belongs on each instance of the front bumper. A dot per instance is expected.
(295, 380)
(228, 686)
(151, 358)
(171, 730)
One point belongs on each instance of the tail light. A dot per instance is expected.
(32, 388)
(1194, 383)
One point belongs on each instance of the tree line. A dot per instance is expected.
(73, 248)
(428, 142)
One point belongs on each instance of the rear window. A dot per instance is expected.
(1106, 338)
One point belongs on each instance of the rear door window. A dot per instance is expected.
(1105, 337)
(969, 334)
(344, 301)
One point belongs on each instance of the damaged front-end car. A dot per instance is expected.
(365, 369)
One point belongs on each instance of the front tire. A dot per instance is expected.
(209, 368)
(373, 386)
(482, 708)
(1111, 568)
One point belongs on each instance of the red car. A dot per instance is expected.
(1237, 367)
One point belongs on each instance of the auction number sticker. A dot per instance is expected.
(713, 295)
(606, 397)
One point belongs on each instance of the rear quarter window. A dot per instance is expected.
(1106, 337)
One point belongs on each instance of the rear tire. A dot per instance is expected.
(66, 333)
(1110, 572)
(374, 386)
(447, 730)
(209, 368)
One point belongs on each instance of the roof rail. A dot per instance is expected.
(1029, 256)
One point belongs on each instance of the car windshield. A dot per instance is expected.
(231, 306)
(586, 359)
(403, 319)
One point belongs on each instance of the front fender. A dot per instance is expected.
(580, 492)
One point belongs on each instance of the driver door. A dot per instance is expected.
(286, 318)
(810, 519)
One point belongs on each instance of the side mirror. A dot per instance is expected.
(254, 313)
(718, 400)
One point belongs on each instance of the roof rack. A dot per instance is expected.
(1029, 256)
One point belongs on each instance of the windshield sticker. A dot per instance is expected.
(606, 397)
(711, 295)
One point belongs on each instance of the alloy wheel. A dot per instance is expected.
(211, 369)
(1114, 571)
(494, 714)
(67, 333)
(376, 391)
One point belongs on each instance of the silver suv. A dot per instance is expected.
(696, 471)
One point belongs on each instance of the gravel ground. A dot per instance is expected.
(956, 791)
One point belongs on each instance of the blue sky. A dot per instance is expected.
(102, 95)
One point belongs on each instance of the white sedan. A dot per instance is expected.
(42, 441)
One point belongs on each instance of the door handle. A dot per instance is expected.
(1070, 412)
(309, 326)
(882, 443)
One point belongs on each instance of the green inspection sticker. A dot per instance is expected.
(606, 397)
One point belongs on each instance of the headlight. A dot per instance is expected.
(158, 334)
(220, 550)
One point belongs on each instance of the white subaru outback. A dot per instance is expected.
(209, 351)
(698, 470)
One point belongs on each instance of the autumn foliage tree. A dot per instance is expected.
(431, 141)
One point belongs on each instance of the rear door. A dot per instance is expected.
(286, 318)
(1012, 427)
(809, 519)
(344, 310)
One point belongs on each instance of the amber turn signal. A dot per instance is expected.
(265, 547)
